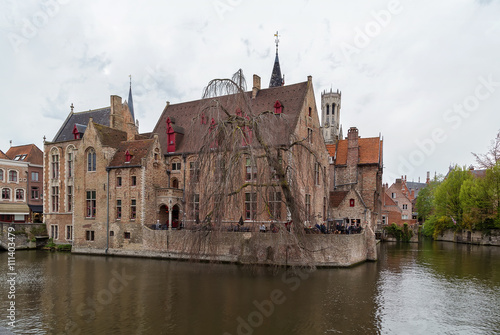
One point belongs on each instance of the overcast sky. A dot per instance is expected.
(423, 74)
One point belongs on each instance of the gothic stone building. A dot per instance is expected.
(106, 184)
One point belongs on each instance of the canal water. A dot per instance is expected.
(426, 288)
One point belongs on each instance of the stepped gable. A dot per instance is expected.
(276, 128)
(99, 116)
(137, 149)
(33, 154)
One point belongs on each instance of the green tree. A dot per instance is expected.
(425, 200)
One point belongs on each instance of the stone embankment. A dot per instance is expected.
(324, 250)
(26, 235)
(491, 237)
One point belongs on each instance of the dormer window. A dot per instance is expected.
(239, 112)
(170, 136)
(212, 125)
(128, 157)
(278, 107)
(203, 119)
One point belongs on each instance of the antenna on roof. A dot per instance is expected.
(71, 107)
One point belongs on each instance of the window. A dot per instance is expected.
(34, 176)
(89, 235)
(118, 181)
(19, 194)
(1, 174)
(35, 192)
(111, 233)
(194, 171)
(133, 181)
(176, 166)
(118, 209)
(133, 209)
(404, 217)
(309, 135)
(405, 206)
(70, 164)
(275, 205)
(69, 233)
(55, 198)
(91, 160)
(13, 176)
(351, 202)
(128, 157)
(196, 207)
(316, 173)
(384, 219)
(55, 165)
(6, 194)
(91, 204)
(393, 195)
(126, 235)
(69, 197)
(251, 170)
(250, 206)
(327, 109)
(308, 207)
(333, 110)
(54, 231)
(310, 112)
(278, 107)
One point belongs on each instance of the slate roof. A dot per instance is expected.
(416, 187)
(370, 150)
(65, 133)
(276, 79)
(138, 149)
(33, 154)
(478, 173)
(277, 128)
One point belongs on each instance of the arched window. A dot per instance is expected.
(54, 163)
(19, 194)
(5, 193)
(91, 160)
(333, 109)
(69, 160)
(327, 109)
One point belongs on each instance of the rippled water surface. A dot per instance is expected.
(427, 288)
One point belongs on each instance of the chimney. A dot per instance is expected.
(256, 86)
(428, 177)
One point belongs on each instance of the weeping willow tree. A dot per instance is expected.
(245, 159)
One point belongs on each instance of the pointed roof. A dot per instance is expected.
(81, 119)
(186, 116)
(3, 156)
(276, 78)
(130, 102)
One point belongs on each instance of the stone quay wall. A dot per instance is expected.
(22, 231)
(492, 237)
(323, 250)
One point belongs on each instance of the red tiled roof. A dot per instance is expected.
(33, 154)
(3, 156)
(370, 150)
(388, 201)
(336, 198)
(187, 115)
(138, 149)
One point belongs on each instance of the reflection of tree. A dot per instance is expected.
(243, 159)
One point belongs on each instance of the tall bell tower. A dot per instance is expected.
(330, 116)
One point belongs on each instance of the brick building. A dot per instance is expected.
(399, 201)
(356, 179)
(21, 173)
(107, 185)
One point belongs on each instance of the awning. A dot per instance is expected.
(14, 209)
(36, 208)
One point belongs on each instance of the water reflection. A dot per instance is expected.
(428, 288)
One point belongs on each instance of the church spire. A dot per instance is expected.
(276, 79)
(130, 101)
